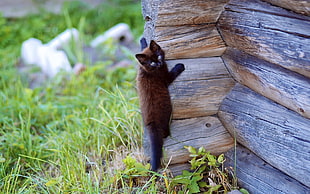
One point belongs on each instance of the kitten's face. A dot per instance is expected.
(151, 58)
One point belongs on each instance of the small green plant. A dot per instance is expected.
(207, 174)
(136, 177)
(134, 170)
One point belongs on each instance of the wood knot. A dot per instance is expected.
(301, 110)
(208, 125)
(147, 18)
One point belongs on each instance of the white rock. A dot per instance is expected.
(119, 32)
(47, 56)
(63, 38)
(29, 51)
(52, 61)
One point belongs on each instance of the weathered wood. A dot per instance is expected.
(177, 169)
(200, 89)
(150, 13)
(190, 41)
(268, 32)
(283, 86)
(176, 13)
(201, 69)
(257, 176)
(198, 98)
(203, 131)
(299, 6)
(277, 135)
(180, 37)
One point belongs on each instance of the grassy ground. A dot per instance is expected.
(67, 135)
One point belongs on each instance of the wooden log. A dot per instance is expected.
(302, 7)
(200, 89)
(279, 136)
(197, 132)
(150, 13)
(177, 169)
(257, 176)
(268, 32)
(265, 16)
(283, 86)
(180, 31)
(190, 41)
(176, 13)
(198, 98)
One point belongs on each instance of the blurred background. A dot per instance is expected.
(19, 8)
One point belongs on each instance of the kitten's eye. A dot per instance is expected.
(153, 64)
(159, 58)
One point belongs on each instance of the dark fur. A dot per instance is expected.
(153, 80)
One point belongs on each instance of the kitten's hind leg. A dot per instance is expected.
(175, 72)
(143, 43)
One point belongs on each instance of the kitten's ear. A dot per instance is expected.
(141, 57)
(154, 46)
(143, 43)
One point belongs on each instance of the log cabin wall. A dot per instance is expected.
(268, 53)
(264, 47)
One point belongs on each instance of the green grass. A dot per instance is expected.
(66, 135)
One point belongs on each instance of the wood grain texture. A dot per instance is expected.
(268, 32)
(283, 86)
(278, 135)
(190, 41)
(298, 6)
(181, 12)
(177, 169)
(203, 131)
(200, 89)
(198, 98)
(150, 14)
(257, 176)
(184, 30)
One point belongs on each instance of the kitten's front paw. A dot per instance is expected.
(180, 67)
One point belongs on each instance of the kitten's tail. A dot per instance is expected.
(156, 147)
